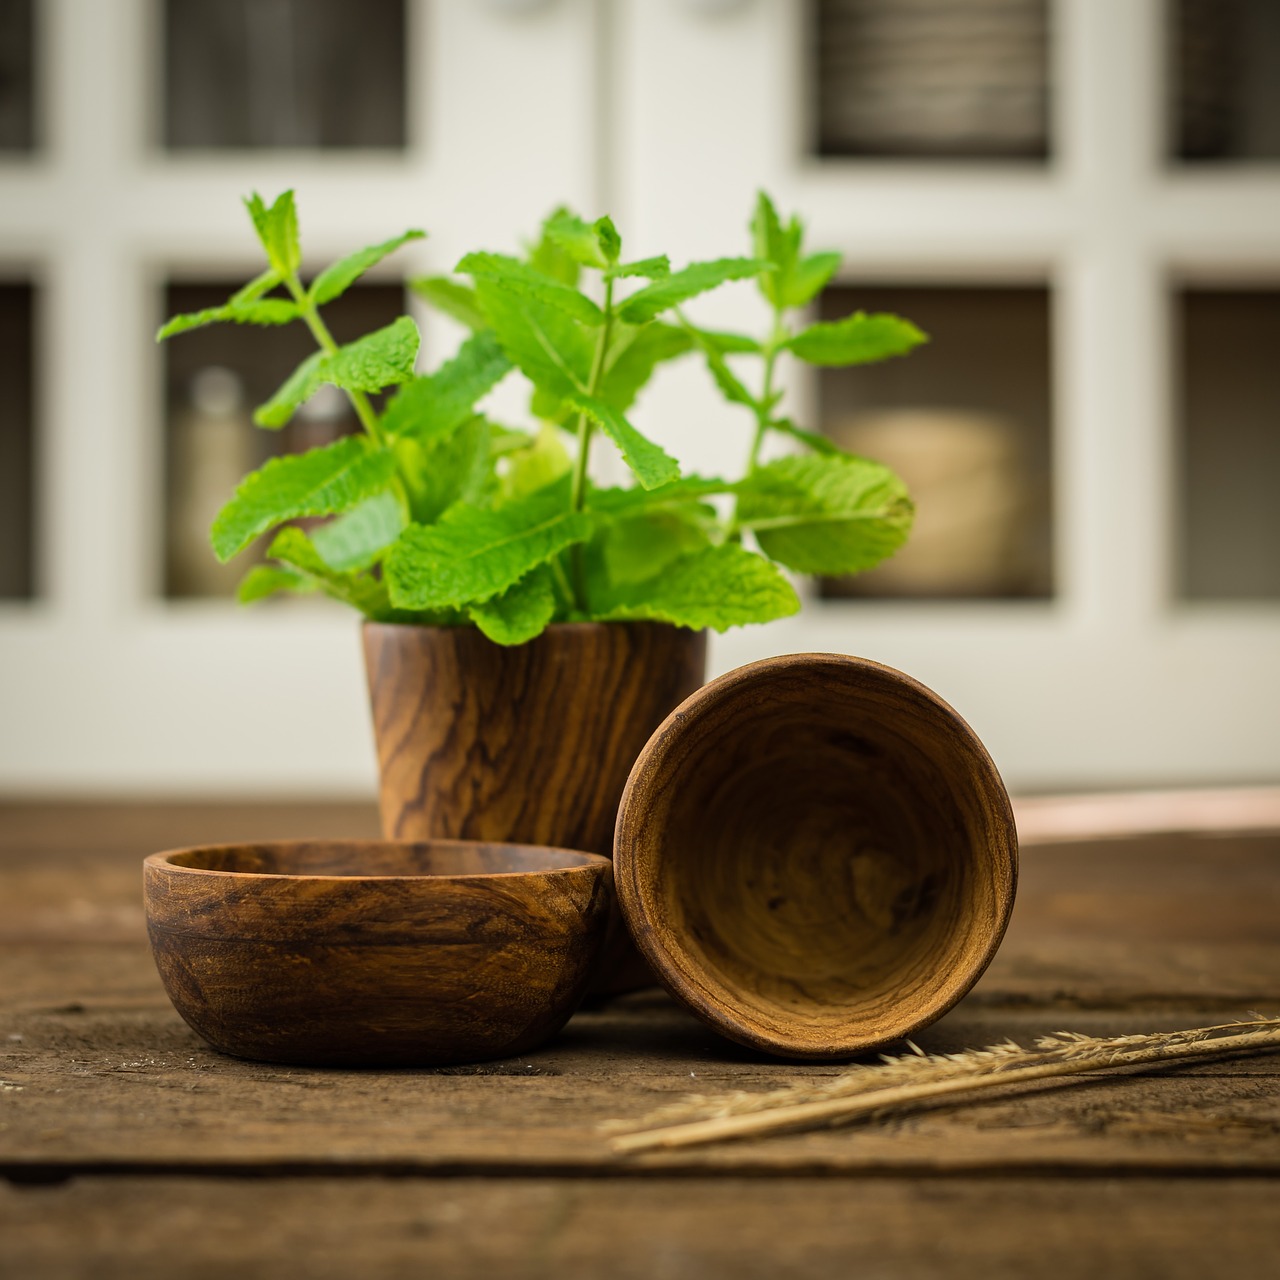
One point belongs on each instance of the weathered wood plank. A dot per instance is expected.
(732, 1228)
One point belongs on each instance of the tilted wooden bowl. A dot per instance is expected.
(363, 953)
(816, 854)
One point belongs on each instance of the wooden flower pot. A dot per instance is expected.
(531, 743)
(816, 854)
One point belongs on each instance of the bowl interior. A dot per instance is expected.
(379, 858)
(823, 853)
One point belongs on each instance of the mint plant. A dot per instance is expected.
(441, 516)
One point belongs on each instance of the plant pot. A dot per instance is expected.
(531, 743)
(816, 855)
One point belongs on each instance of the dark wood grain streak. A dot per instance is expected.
(817, 855)
(531, 743)
(362, 953)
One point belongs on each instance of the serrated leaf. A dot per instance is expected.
(521, 612)
(294, 548)
(651, 465)
(831, 514)
(650, 268)
(451, 298)
(262, 311)
(277, 229)
(300, 385)
(686, 489)
(523, 280)
(777, 245)
(265, 580)
(808, 277)
(635, 355)
(857, 339)
(670, 291)
(358, 538)
(542, 463)
(548, 258)
(818, 443)
(258, 286)
(471, 555)
(319, 482)
(730, 344)
(336, 279)
(438, 473)
(505, 440)
(380, 359)
(731, 387)
(548, 346)
(578, 238)
(718, 587)
(431, 407)
(610, 240)
(640, 546)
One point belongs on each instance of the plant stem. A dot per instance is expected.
(764, 408)
(578, 491)
(325, 340)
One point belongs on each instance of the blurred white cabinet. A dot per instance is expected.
(670, 114)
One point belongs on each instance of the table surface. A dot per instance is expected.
(132, 1149)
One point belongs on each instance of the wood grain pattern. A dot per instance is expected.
(531, 743)
(817, 855)
(366, 953)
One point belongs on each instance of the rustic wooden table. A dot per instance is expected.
(131, 1149)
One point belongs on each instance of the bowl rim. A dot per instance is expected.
(162, 861)
(672, 964)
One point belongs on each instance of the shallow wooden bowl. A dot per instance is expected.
(816, 854)
(364, 953)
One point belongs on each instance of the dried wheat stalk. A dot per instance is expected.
(903, 1082)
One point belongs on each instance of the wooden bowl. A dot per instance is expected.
(816, 854)
(364, 953)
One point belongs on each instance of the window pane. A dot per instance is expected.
(214, 378)
(1225, 79)
(17, 76)
(284, 73)
(1230, 446)
(17, 414)
(965, 420)
(943, 79)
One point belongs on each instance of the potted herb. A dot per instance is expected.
(526, 629)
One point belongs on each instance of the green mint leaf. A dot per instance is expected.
(670, 291)
(548, 346)
(380, 359)
(633, 356)
(455, 300)
(507, 440)
(684, 490)
(267, 579)
(819, 444)
(579, 239)
(857, 339)
(316, 483)
(713, 346)
(258, 287)
(335, 280)
(277, 229)
(521, 612)
(548, 257)
(638, 547)
(831, 514)
(808, 278)
(294, 548)
(718, 587)
(264, 311)
(454, 468)
(472, 555)
(650, 268)
(358, 538)
(433, 406)
(729, 344)
(300, 385)
(650, 465)
(519, 278)
(610, 240)
(542, 463)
